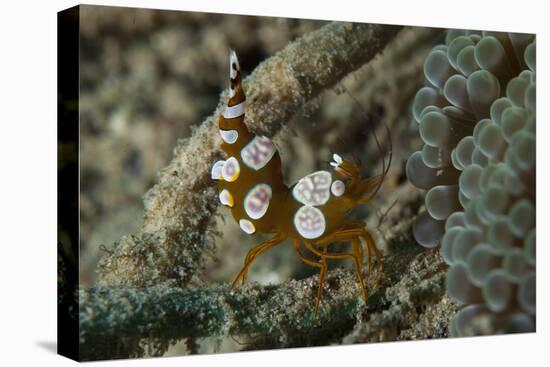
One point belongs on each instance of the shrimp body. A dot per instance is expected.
(312, 212)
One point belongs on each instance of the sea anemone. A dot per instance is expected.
(477, 121)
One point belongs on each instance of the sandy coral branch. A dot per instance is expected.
(179, 207)
(274, 316)
(214, 311)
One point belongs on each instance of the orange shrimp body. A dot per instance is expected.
(312, 212)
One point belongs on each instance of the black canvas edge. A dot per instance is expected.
(68, 26)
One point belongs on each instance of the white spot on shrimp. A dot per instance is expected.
(232, 112)
(233, 64)
(257, 201)
(309, 222)
(229, 136)
(314, 189)
(226, 198)
(258, 152)
(247, 226)
(231, 169)
(217, 170)
(338, 188)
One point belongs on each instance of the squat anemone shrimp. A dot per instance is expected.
(313, 212)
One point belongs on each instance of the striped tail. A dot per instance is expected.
(231, 122)
(236, 93)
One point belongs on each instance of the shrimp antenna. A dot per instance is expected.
(385, 169)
